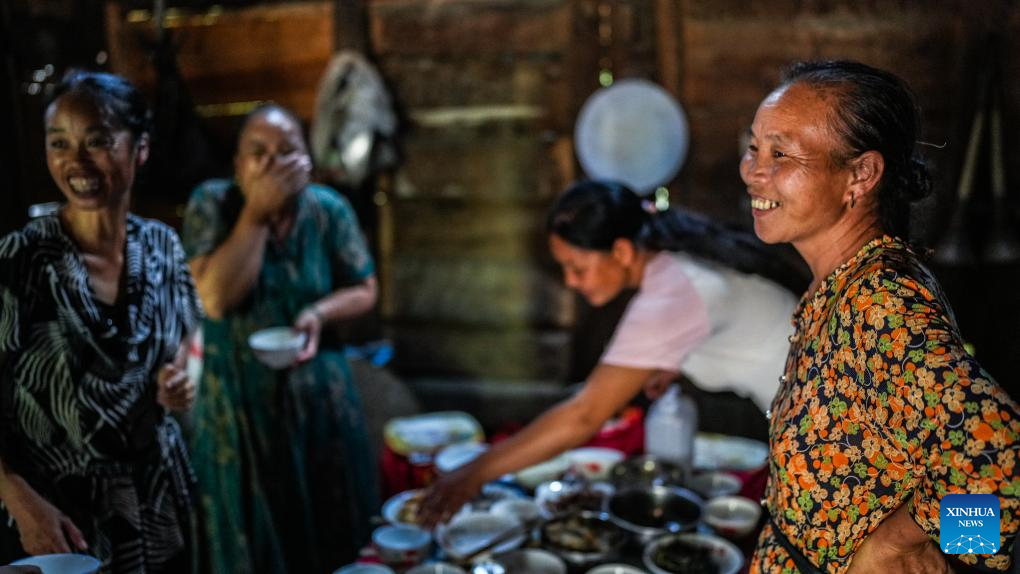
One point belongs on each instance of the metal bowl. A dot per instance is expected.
(724, 556)
(646, 471)
(651, 511)
(583, 539)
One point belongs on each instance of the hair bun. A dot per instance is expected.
(917, 180)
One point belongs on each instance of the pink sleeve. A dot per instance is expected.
(664, 322)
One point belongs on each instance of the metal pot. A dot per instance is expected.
(651, 511)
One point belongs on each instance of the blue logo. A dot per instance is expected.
(969, 524)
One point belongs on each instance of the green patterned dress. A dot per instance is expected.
(285, 472)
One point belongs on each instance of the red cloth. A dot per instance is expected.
(400, 473)
(625, 433)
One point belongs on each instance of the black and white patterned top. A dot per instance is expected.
(78, 387)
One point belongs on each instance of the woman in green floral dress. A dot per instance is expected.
(285, 470)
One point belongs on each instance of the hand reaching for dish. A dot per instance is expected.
(447, 495)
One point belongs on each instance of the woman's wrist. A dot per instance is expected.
(314, 310)
(12, 492)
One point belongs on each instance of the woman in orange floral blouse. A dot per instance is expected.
(881, 412)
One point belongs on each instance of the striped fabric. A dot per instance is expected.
(80, 419)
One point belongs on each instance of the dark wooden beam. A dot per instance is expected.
(350, 31)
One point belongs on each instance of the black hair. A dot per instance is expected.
(262, 109)
(874, 110)
(593, 214)
(113, 95)
(233, 202)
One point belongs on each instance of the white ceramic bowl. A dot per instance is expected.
(532, 561)
(726, 557)
(277, 347)
(549, 470)
(723, 452)
(457, 455)
(594, 462)
(61, 563)
(712, 483)
(732, 516)
(436, 568)
(615, 569)
(468, 532)
(402, 545)
(391, 509)
(365, 569)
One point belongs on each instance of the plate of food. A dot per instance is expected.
(583, 539)
(469, 532)
(593, 462)
(560, 497)
(552, 469)
(403, 508)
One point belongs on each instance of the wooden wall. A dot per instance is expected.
(491, 89)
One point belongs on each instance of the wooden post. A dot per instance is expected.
(350, 30)
(667, 35)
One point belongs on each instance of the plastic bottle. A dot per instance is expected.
(670, 427)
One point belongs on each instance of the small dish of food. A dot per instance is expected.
(403, 508)
(691, 553)
(561, 497)
(646, 470)
(593, 463)
(584, 538)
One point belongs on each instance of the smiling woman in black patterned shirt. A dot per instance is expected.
(95, 304)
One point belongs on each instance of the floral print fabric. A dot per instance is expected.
(881, 406)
